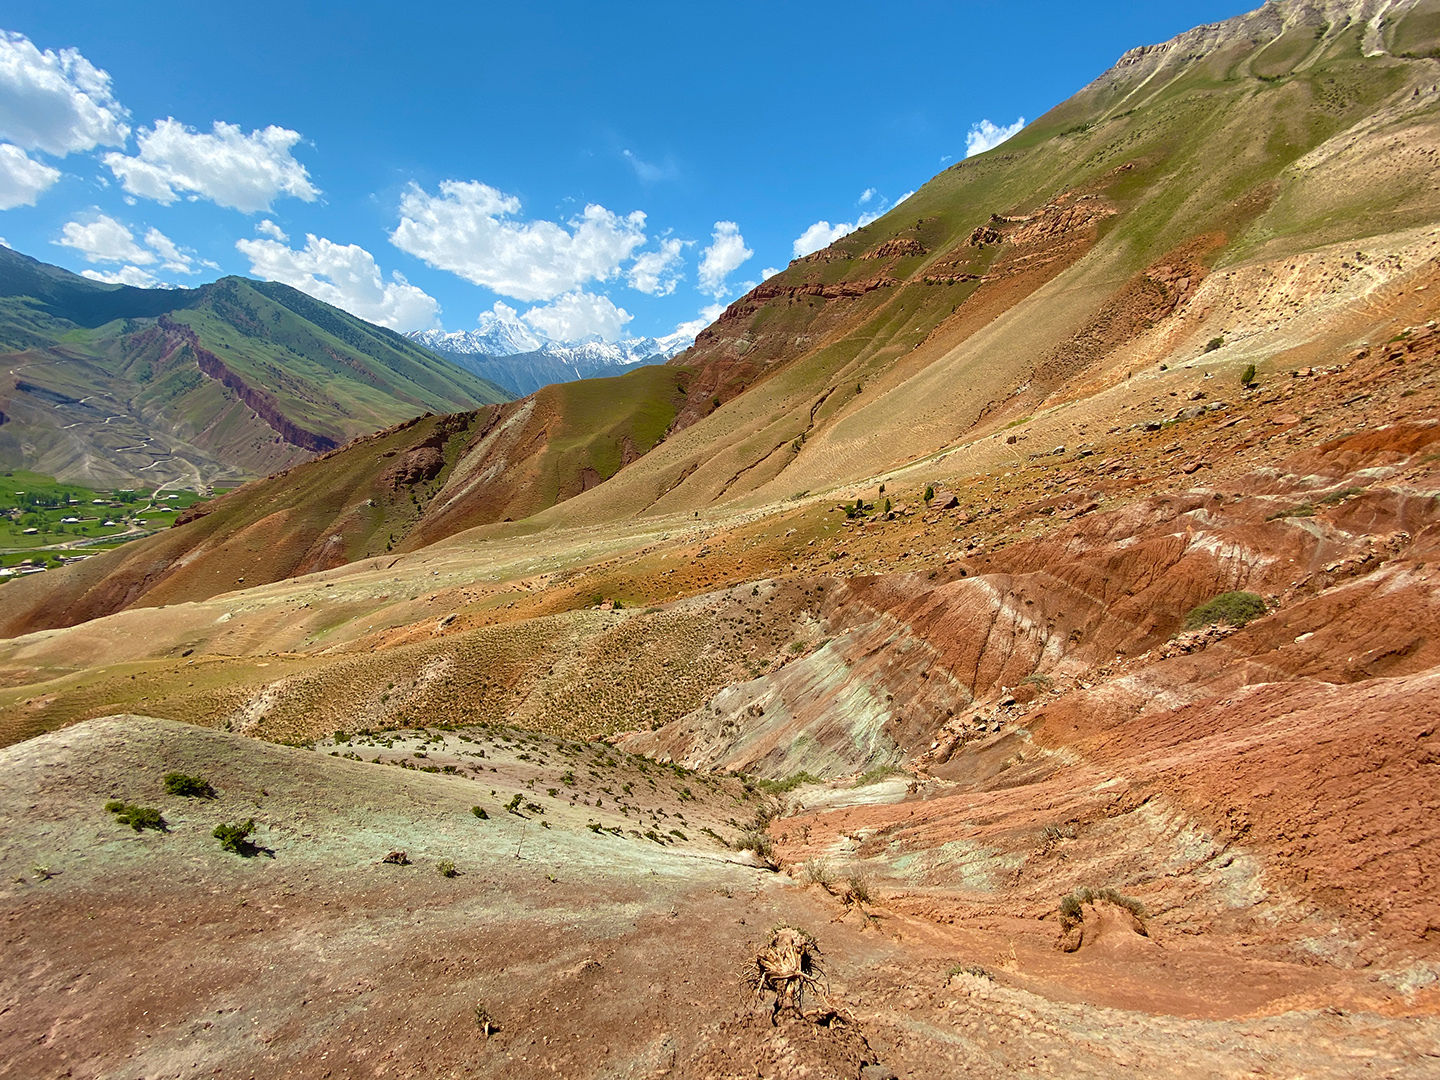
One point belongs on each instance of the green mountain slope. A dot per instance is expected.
(112, 385)
(1197, 192)
(1017, 273)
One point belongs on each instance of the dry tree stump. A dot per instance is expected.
(787, 967)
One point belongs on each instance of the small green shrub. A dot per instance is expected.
(1247, 377)
(1232, 608)
(790, 783)
(446, 868)
(1214, 343)
(235, 838)
(874, 776)
(929, 493)
(479, 812)
(137, 817)
(189, 787)
(1305, 509)
(758, 842)
(513, 806)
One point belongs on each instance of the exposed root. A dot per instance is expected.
(787, 968)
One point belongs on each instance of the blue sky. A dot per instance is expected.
(611, 168)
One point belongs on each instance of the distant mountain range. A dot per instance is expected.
(512, 354)
(110, 385)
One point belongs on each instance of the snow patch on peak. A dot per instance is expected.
(501, 332)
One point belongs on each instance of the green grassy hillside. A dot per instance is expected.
(112, 385)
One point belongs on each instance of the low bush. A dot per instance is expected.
(1341, 495)
(446, 868)
(236, 838)
(484, 1021)
(790, 783)
(969, 969)
(189, 787)
(137, 817)
(817, 872)
(758, 842)
(1233, 608)
(479, 812)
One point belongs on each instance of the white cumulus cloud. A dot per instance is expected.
(226, 166)
(469, 228)
(104, 240)
(769, 272)
(577, 315)
(22, 179)
(820, 235)
(345, 275)
(172, 257)
(726, 252)
(57, 102)
(986, 136)
(708, 315)
(270, 229)
(656, 273)
(127, 275)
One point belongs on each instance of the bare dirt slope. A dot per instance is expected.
(159, 954)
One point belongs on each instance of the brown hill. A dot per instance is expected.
(1079, 720)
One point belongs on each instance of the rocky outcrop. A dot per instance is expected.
(751, 302)
(896, 248)
(415, 467)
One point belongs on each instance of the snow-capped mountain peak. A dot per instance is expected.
(521, 358)
(500, 333)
